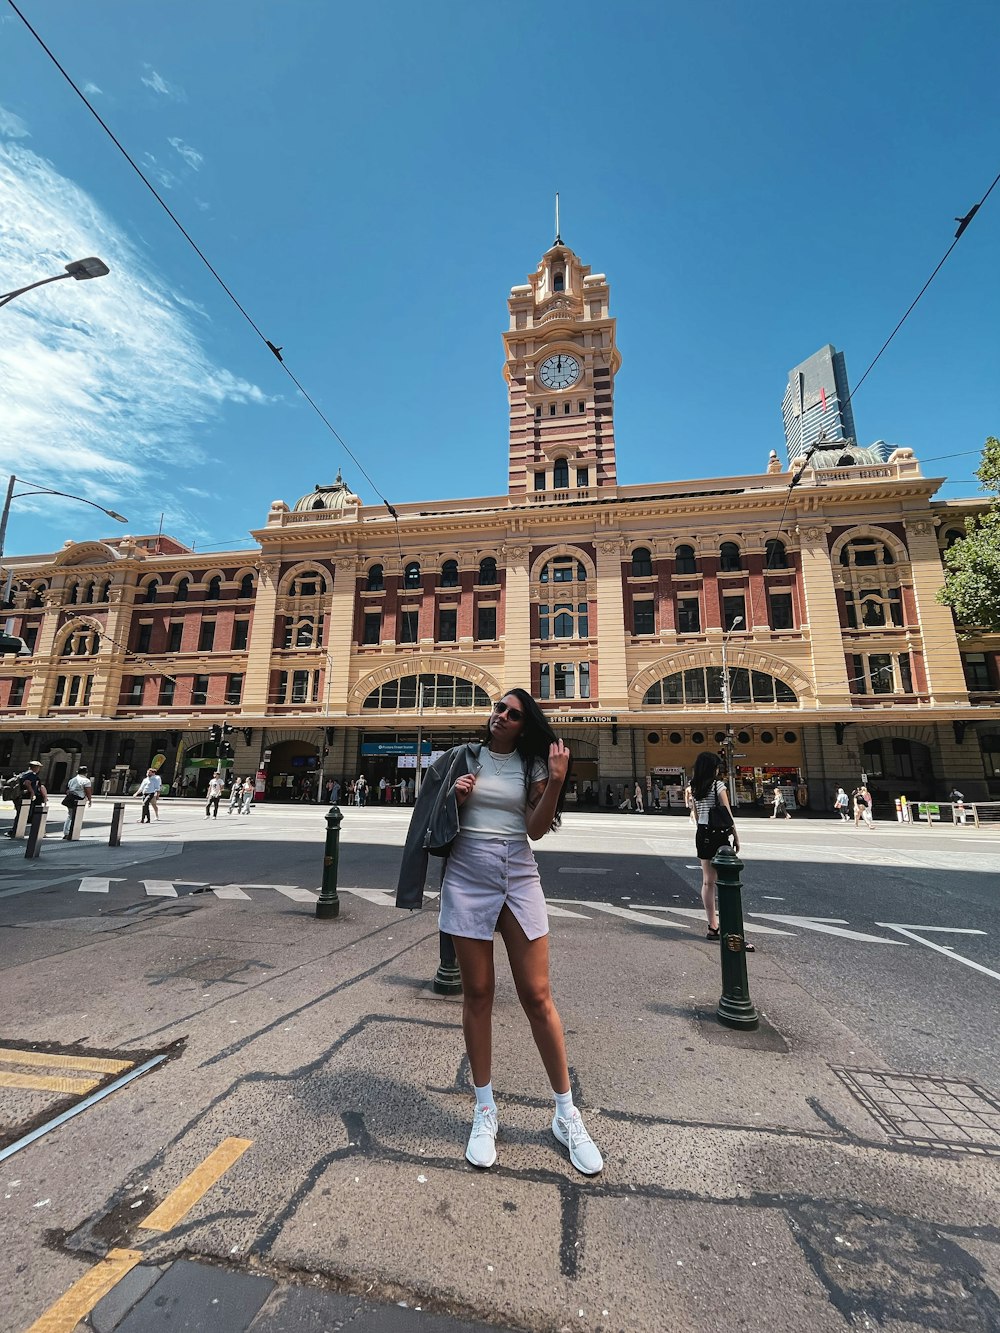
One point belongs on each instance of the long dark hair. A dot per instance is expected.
(706, 770)
(533, 743)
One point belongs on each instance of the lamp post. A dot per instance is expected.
(80, 269)
(726, 704)
(327, 674)
(36, 490)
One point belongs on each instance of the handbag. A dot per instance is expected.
(719, 818)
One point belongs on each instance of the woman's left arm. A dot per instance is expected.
(543, 797)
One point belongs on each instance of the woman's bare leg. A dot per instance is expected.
(709, 875)
(529, 964)
(475, 962)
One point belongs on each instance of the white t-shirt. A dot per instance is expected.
(150, 785)
(214, 788)
(498, 803)
(79, 786)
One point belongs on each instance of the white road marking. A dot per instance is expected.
(698, 914)
(772, 897)
(92, 884)
(381, 897)
(583, 870)
(630, 914)
(297, 895)
(552, 910)
(910, 933)
(159, 888)
(825, 925)
(231, 891)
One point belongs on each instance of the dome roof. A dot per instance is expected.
(333, 497)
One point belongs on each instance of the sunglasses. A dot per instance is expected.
(514, 714)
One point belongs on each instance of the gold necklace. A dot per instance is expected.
(499, 768)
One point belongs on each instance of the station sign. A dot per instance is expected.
(588, 719)
(394, 747)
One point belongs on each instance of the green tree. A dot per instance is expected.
(972, 582)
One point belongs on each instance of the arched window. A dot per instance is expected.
(376, 579)
(704, 685)
(105, 592)
(729, 558)
(427, 691)
(152, 588)
(449, 574)
(305, 632)
(487, 570)
(183, 588)
(411, 575)
(642, 563)
(88, 596)
(951, 537)
(307, 583)
(214, 590)
(775, 555)
(560, 474)
(684, 562)
(71, 594)
(36, 597)
(560, 570)
(865, 553)
(246, 586)
(558, 281)
(82, 642)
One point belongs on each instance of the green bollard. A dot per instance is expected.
(328, 905)
(447, 979)
(735, 1009)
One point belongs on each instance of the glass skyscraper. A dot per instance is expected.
(816, 402)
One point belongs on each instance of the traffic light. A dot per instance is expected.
(216, 732)
(226, 729)
(225, 752)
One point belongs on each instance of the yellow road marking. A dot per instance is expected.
(10, 1055)
(47, 1082)
(199, 1182)
(82, 1296)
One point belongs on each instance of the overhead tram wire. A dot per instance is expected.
(276, 352)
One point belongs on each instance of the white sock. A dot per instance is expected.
(564, 1103)
(484, 1096)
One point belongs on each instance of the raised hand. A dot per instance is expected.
(558, 762)
(464, 786)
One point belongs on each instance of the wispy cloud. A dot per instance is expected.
(161, 174)
(106, 386)
(191, 156)
(11, 126)
(160, 86)
(195, 490)
(92, 90)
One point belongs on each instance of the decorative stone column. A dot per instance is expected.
(612, 666)
(517, 617)
(340, 638)
(109, 665)
(826, 642)
(261, 641)
(942, 659)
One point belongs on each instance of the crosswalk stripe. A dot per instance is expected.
(46, 1060)
(94, 884)
(552, 910)
(297, 895)
(626, 913)
(230, 891)
(698, 914)
(159, 888)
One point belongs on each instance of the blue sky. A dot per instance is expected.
(755, 180)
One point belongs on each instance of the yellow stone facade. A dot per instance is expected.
(340, 633)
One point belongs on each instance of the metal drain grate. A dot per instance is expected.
(927, 1110)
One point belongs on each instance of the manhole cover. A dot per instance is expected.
(927, 1110)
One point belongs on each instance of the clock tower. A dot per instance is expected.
(561, 362)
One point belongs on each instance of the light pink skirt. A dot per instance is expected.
(481, 876)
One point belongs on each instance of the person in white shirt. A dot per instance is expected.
(149, 790)
(214, 796)
(79, 788)
(248, 795)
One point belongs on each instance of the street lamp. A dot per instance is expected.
(80, 269)
(726, 703)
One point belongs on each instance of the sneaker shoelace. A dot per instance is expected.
(576, 1131)
(484, 1121)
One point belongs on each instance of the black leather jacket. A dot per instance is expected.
(434, 822)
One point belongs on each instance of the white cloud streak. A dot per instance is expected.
(191, 156)
(92, 90)
(104, 384)
(160, 86)
(11, 126)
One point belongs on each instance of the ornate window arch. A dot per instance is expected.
(488, 571)
(150, 589)
(562, 577)
(562, 553)
(213, 586)
(246, 581)
(304, 580)
(80, 638)
(749, 673)
(642, 562)
(433, 667)
(411, 574)
(36, 595)
(867, 570)
(560, 473)
(182, 587)
(775, 554)
(449, 574)
(376, 578)
(730, 558)
(685, 559)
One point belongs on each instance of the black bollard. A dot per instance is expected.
(447, 979)
(735, 1006)
(328, 905)
(117, 820)
(36, 833)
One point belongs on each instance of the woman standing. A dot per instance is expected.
(708, 793)
(511, 789)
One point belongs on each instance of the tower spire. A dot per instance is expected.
(558, 240)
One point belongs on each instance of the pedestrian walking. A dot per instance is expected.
(862, 799)
(780, 809)
(236, 794)
(334, 792)
(214, 796)
(79, 788)
(708, 801)
(490, 798)
(149, 790)
(840, 804)
(411, 788)
(28, 786)
(958, 801)
(249, 791)
(637, 798)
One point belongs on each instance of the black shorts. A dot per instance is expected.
(707, 841)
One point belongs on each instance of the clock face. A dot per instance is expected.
(559, 371)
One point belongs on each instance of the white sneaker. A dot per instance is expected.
(572, 1134)
(482, 1149)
